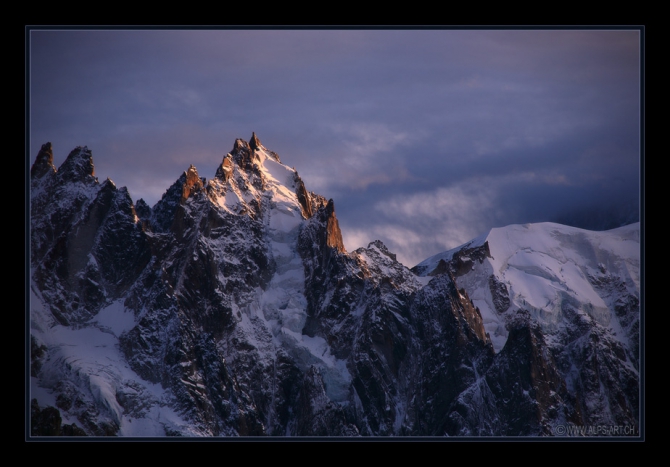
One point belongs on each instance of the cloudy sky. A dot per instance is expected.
(423, 138)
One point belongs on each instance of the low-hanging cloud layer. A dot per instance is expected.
(423, 138)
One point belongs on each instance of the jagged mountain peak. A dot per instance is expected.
(192, 184)
(252, 148)
(254, 142)
(43, 162)
(379, 245)
(240, 144)
(78, 165)
(225, 169)
(245, 181)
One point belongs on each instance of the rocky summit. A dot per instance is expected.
(232, 308)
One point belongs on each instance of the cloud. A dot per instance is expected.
(370, 154)
(422, 224)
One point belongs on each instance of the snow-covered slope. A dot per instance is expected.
(544, 267)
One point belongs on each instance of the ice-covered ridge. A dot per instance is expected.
(544, 266)
(284, 302)
(278, 188)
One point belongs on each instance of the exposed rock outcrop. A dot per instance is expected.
(43, 162)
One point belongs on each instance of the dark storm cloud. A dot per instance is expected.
(424, 138)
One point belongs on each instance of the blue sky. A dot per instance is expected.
(423, 138)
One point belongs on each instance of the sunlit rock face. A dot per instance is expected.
(232, 308)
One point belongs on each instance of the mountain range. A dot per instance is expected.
(232, 308)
